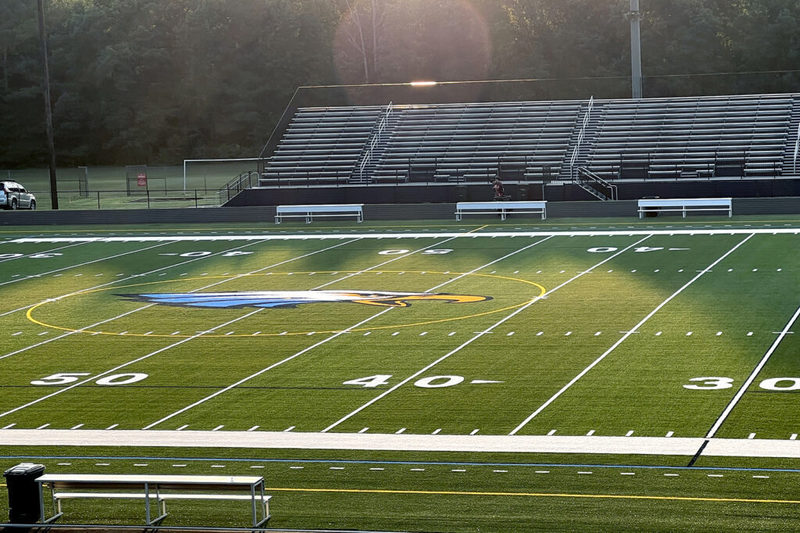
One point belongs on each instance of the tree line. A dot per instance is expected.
(155, 81)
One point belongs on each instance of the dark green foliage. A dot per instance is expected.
(149, 81)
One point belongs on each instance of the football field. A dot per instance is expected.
(662, 345)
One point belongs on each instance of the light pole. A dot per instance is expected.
(48, 109)
(636, 50)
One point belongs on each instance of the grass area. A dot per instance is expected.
(642, 331)
(105, 187)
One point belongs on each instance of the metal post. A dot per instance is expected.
(48, 109)
(636, 50)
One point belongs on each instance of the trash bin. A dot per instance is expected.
(24, 505)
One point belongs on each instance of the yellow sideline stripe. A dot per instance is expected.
(536, 495)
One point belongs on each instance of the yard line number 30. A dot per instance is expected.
(719, 382)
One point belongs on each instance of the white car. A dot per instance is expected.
(14, 196)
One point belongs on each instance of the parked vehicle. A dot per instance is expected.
(14, 196)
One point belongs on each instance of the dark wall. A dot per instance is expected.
(415, 211)
(554, 192)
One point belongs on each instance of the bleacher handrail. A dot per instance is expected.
(581, 135)
(796, 149)
(375, 140)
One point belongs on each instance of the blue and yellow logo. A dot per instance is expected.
(284, 299)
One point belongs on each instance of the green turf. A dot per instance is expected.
(689, 323)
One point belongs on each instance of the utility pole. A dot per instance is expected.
(48, 109)
(636, 50)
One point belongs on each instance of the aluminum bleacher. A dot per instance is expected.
(725, 137)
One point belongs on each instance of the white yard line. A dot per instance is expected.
(263, 370)
(50, 251)
(124, 365)
(625, 336)
(432, 235)
(476, 337)
(89, 327)
(84, 264)
(67, 334)
(304, 350)
(52, 339)
(753, 375)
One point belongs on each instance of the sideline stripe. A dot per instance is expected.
(534, 495)
(625, 336)
(398, 462)
(433, 235)
(474, 338)
(752, 377)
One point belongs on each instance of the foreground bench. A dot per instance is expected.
(308, 211)
(501, 208)
(154, 489)
(684, 205)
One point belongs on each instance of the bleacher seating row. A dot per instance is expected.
(701, 137)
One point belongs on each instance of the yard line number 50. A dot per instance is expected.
(65, 378)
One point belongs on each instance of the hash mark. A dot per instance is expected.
(336, 468)
(140, 464)
(500, 471)
(473, 432)
(376, 469)
(751, 436)
(458, 470)
(715, 475)
(436, 431)
(364, 430)
(551, 432)
(401, 430)
(288, 429)
(669, 434)
(417, 469)
(10, 425)
(585, 473)
(253, 428)
(590, 433)
(43, 426)
(542, 472)
(760, 477)
(628, 434)
(218, 427)
(671, 475)
(182, 427)
(793, 437)
(112, 426)
(627, 473)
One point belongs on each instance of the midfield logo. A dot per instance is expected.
(272, 299)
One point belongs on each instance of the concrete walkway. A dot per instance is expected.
(404, 442)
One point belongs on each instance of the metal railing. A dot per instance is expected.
(796, 149)
(586, 176)
(245, 180)
(375, 140)
(581, 135)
